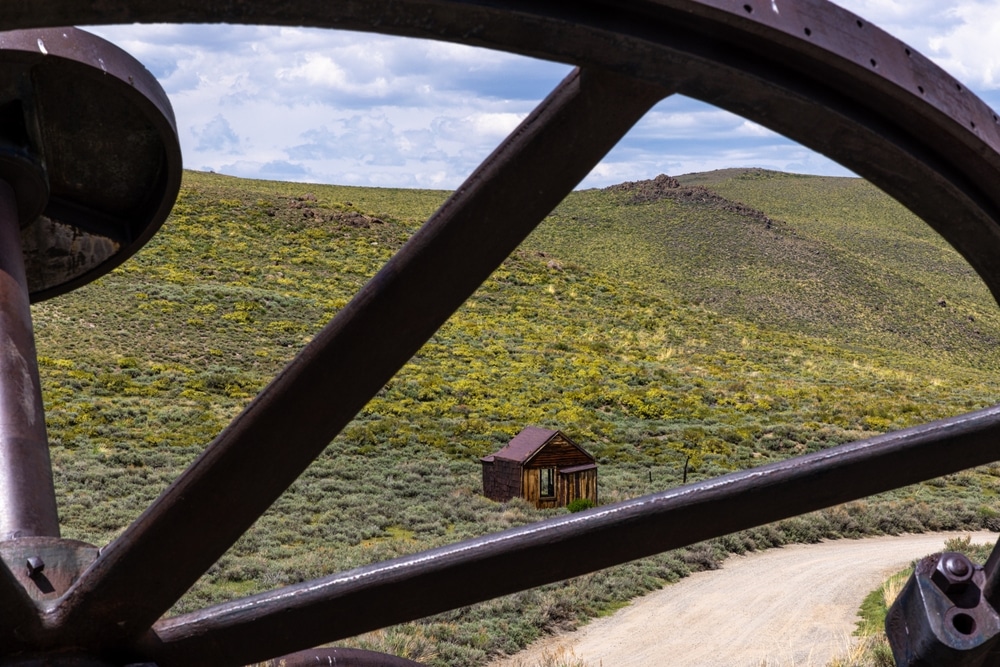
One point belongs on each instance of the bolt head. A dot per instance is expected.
(953, 572)
(958, 567)
(35, 566)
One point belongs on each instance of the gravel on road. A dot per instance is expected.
(796, 605)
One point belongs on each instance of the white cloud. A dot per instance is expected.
(344, 107)
(476, 128)
(750, 129)
(664, 121)
(335, 106)
(495, 125)
(962, 37)
(971, 50)
(320, 70)
(216, 135)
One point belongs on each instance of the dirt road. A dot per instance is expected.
(791, 606)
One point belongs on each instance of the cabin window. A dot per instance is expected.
(547, 482)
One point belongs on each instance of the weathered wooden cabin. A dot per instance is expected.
(543, 467)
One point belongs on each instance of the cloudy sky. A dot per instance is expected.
(358, 109)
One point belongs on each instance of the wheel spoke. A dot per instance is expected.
(142, 573)
(415, 586)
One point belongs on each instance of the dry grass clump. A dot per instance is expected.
(558, 657)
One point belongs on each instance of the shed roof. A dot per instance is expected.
(525, 444)
(579, 468)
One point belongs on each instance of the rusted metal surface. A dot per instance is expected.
(101, 134)
(82, 145)
(805, 68)
(21, 616)
(947, 613)
(46, 567)
(60, 115)
(941, 616)
(27, 495)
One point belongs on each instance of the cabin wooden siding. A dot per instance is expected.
(558, 452)
(577, 484)
(531, 489)
(573, 470)
(501, 479)
(568, 486)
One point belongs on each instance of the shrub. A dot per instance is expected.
(580, 504)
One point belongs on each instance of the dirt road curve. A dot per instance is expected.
(791, 606)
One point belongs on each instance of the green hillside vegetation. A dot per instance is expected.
(652, 332)
(827, 257)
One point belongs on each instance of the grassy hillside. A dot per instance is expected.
(651, 331)
(830, 257)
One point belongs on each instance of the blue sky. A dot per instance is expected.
(359, 109)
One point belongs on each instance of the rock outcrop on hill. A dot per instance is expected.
(666, 187)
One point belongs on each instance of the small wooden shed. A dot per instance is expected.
(542, 466)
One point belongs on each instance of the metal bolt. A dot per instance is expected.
(35, 566)
(956, 566)
(953, 572)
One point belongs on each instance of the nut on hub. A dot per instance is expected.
(953, 572)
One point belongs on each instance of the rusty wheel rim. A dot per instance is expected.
(813, 72)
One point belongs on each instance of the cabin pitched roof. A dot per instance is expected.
(526, 444)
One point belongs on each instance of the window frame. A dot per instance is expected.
(550, 472)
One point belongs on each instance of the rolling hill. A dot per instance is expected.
(729, 319)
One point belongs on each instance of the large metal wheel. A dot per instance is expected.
(805, 68)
